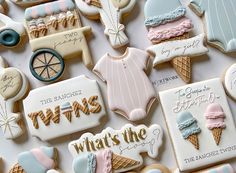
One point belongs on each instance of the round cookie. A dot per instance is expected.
(155, 168)
(230, 81)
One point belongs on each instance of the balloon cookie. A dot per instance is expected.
(168, 28)
(110, 13)
(55, 34)
(38, 160)
(220, 27)
(11, 32)
(13, 87)
(63, 108)
(199, 120)
(230, 81)
(27, 3)
(115, 150)
(120, 73)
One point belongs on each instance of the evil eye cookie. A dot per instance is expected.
(64, 108)
(37, 160)
(110, 13)
(13, 87)
(122, 72)
(11, 32)
(197, 113)
(56, 34)
(27, 3)
(115, 150)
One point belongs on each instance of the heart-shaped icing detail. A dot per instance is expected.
(10, 83)
(120, 3)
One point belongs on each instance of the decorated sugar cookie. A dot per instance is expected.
(37, 160)
(27, 3)
(13, 87)
(115, 150)
(155, 168)
(110, 13)
(230, 81)
(11, 32)
(55, 34)
(130, 92)
(168, 28)
(220, 27)
(199, 120)
(64, 108)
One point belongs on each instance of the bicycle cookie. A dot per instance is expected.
(115, 150)
(64, 108)
(13, 86)
(55, 34)
(11, 32)
(110, 13)
(38, 160)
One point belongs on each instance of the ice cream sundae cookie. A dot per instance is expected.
(11, 32)
(199, 119)
(115, 150)
(220, 28)
(122, 72)
(230, 81)
(13, 87)
(110, 14)
(38, 160)
(64, 108)
(55, 33)
(168, 28)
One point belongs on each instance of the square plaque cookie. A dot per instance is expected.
(200, 124)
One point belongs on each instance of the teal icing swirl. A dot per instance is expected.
(191, 131)
(186, 123)
(165, 18)
(92, 163)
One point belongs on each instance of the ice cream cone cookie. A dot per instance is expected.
(168, 28)
(155, 168)
(187, 124)
(38, 160)
(215, 121)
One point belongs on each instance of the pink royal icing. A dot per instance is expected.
(104, 164)
(43, 158)
(170, 30)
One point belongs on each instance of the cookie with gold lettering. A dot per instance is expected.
(197, 113)
(64, 108)
(13, 87)
(115, 150)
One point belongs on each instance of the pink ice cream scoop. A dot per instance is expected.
(215, 116)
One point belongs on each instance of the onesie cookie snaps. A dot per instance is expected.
(199, 120)
(168, 28)
(13, 87)
(64, 108)
(110, 13)
(130, 92)
(115, 150)
(55, 34)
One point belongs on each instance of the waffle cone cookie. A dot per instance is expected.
(217, 132)
(120, 162)
(68, 115)
(38, 160)
(96, 3)
(194, 140)
(182, 64)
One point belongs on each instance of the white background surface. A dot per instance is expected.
(205, 67)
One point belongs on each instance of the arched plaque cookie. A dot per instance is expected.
(122, 148)
(110, 13)
(13, 86)
(64, 108)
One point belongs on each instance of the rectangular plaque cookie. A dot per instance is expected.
(200, 124)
